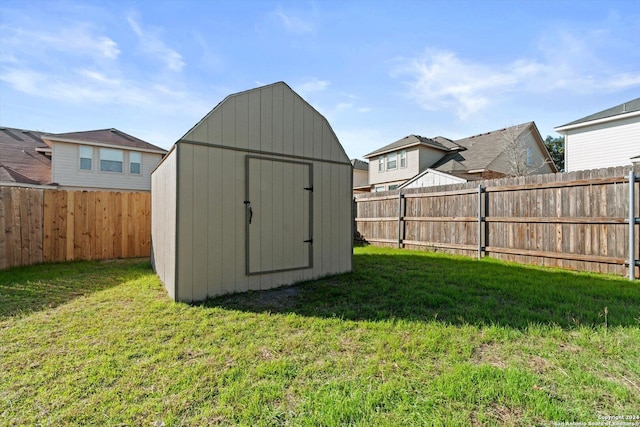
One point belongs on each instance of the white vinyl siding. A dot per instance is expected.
(86, 157)
(602, 145)
(65, 170)
(111, 160)
(434, 178)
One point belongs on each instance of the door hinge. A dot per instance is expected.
(309, 189)
(309, 241)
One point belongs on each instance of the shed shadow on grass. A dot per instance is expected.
(24, 290)
(427, 287)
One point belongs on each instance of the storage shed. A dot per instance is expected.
(256, 195)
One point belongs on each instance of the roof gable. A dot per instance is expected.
(110, 137)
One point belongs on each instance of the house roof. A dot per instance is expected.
(439, 142)
(360, 164)
(624, 108)
(110, 137)
(479, 150)
(20, 160)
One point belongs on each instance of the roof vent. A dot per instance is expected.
(624, 107)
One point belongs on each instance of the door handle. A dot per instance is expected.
(247, 203)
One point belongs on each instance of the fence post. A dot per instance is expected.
(632, 226)
(400, 219)
(479, 221)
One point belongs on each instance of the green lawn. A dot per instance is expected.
(409, 338)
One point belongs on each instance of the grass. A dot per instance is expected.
(408, 338)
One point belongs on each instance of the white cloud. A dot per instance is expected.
(312, 85)
(294, 23)
(153, 46)
(73, 39)
(441, 80)
(89, 87)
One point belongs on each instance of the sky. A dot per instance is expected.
(377, 70)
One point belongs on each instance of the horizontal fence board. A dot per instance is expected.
(47, 225)
(577, 220)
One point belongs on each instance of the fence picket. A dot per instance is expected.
(47, 225)
(571, 220)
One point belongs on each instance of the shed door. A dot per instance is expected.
(278, 209)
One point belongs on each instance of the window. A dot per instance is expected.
(135, 159)
(110, 160)
(403, 159)
(86, 155)
(392, 161)
(393, 186)
(381, 164)
(379, 188)
(528, 160)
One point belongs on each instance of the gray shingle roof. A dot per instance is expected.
(106, 136)
(360, 164)
(480, 150)
(20, 161)
(625, 107)
(438, 142)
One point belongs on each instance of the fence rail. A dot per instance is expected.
(45, 225)
(582, 220)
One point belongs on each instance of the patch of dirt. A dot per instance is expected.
(539, 365)
(488, 353)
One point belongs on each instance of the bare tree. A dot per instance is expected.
(519, 156)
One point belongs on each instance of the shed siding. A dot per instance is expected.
(65, 169)
(603, 145)
(212, 230)
(163, 222)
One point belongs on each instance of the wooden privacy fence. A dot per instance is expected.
(45, 225)
(579, 220)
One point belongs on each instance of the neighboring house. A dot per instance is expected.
(394, 164)
(605, 139)
(360, 176)
(98, 159)
(24, 158)
(417, 161)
